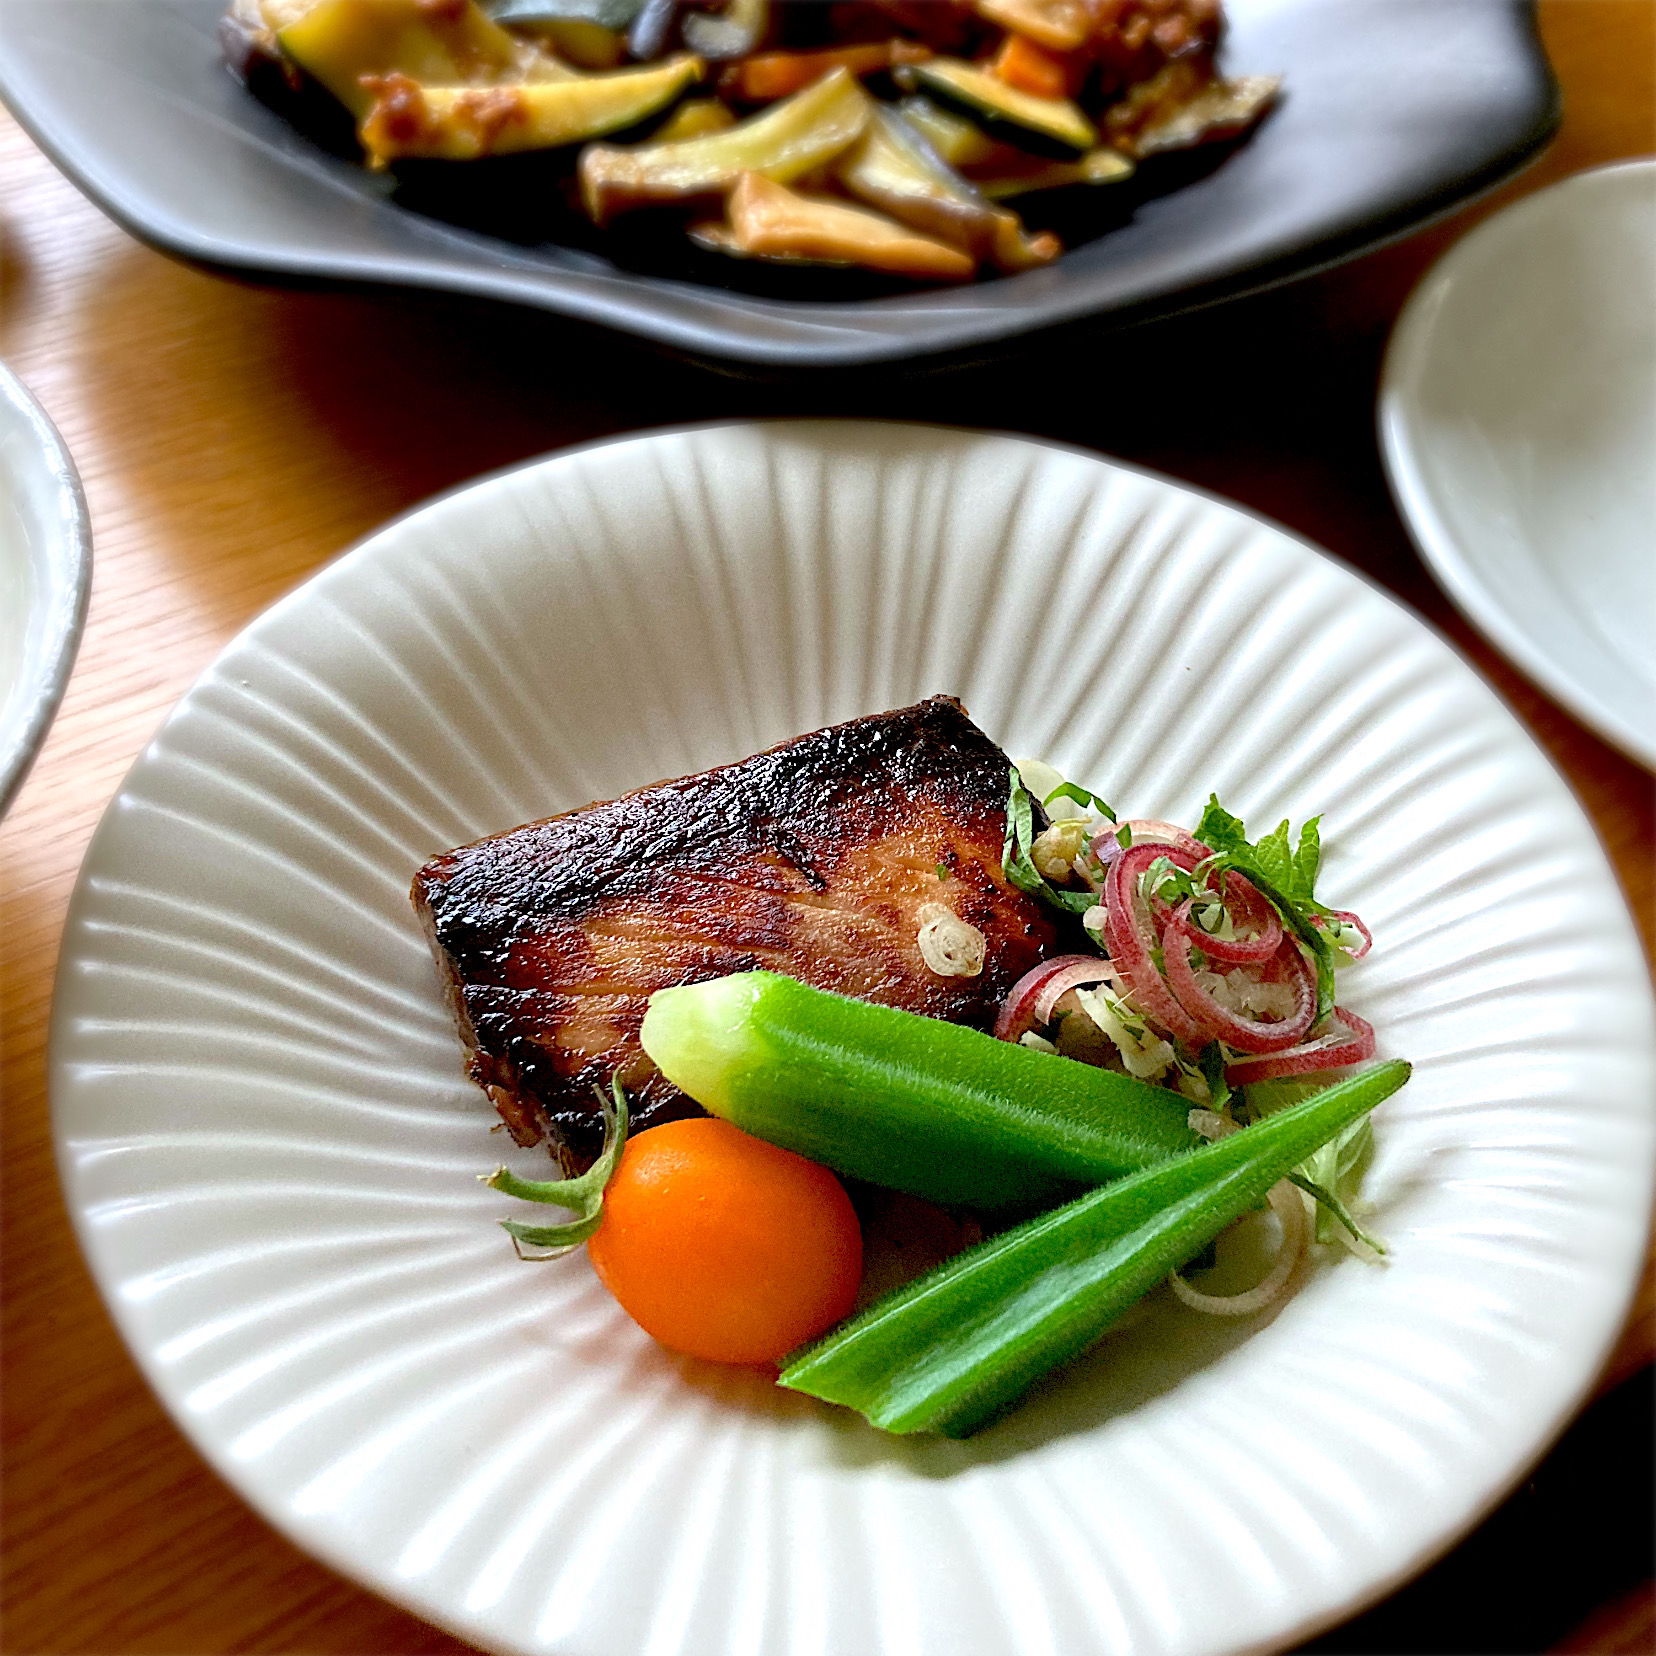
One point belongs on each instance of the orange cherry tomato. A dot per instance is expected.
(725, 1247)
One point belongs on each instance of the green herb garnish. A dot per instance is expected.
(1285, 877)
(1081, 796)
(1020, 866)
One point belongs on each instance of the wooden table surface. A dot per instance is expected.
(232, 439)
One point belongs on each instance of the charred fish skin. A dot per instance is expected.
(812, 858)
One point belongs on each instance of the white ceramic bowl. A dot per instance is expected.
(1518, 424)
(270, 1151)
(45, 577)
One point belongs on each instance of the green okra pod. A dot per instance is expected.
(951, 1351)
(903, 1101)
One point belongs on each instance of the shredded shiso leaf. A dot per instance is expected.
(1020, 867)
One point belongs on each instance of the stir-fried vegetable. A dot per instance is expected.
(1008, 98)
(770, 220)
(894, 168)
(911, 1103)
(955, 1349)
(789, 140)
(461, 123)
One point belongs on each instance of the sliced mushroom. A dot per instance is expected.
(1223, 109)
(1184, 104)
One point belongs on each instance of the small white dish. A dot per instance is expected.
(45, 577)
(270, 1151)
(1518, 424)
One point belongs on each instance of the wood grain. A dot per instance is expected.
(232, 439)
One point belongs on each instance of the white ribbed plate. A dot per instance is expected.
(269, 1149)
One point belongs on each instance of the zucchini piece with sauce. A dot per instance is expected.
(784, 143)
(999, 171)
(1099, 166)
(958, 142)
(1047, 126)
(893, 168)
(339, 42)
(464, 123)
(770, 221)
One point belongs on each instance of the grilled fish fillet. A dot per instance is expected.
(813, 858)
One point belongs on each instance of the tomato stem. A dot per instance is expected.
(583, 1195)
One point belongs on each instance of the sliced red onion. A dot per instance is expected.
(1296, 1234)
(1346, 917)
(1129, 937)
(1247, 906)
(1083, 970)
(1023, 1007)
(1152, 831)
(1218, 1022)
(1327, 1052)
(1105, 849)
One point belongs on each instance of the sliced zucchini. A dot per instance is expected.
(463, 123)
(1099, 166)
(338, 42)
(959, 142)
(1045, 126)
(768, 220)
(784, 143)
(893, 168)
(1059, 25)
